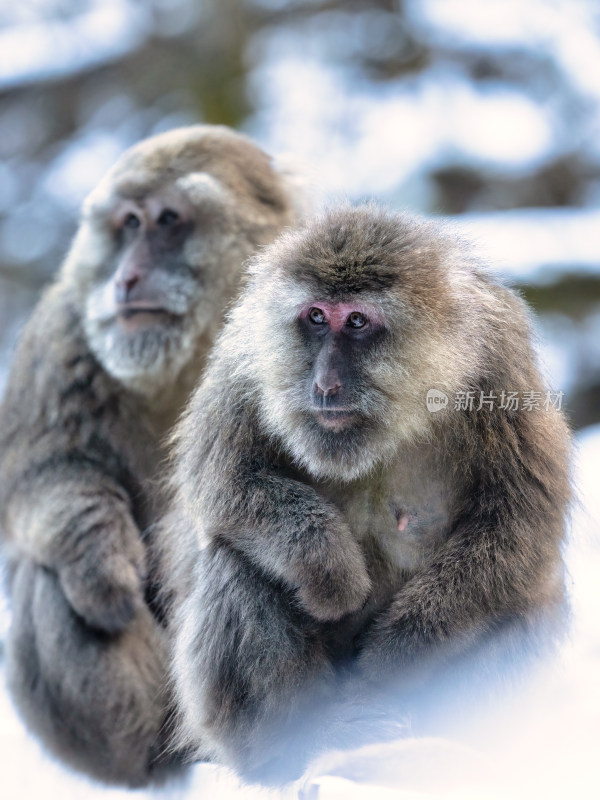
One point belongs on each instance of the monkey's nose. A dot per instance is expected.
(124, 287)
(330, 389)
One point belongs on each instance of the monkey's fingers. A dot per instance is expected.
(404, 646)
(337, 588)
(107, 595)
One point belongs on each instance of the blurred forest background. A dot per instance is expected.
(488, 111)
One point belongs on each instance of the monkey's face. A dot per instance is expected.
(324, 371)
(152, 293)
(160, 249)
(346, 383)
(339, 338)
(145, 284)
(356, 318)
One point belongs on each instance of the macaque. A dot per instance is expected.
(324, 519)
(102, 370)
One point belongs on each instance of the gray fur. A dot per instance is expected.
(81, 444)
(325, 572)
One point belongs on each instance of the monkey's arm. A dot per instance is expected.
(79, 524)
(236, 490)
(65, 491)
(293, 536)
(502, 560)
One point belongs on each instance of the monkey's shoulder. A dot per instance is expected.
(53, 355)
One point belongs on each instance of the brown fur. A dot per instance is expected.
(291, 557)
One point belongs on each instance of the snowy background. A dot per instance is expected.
(484, 111)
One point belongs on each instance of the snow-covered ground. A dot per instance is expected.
(543, 745)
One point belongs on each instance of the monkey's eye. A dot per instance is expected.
(168, 217)
(316, 316)
(356, 320)
(131, 221)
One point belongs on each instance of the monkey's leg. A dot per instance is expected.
(248, 667)
(97, 701)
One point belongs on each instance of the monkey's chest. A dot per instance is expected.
(399, 525)
(412, 531)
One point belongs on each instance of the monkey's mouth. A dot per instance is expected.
(131, 309)
(134, 317)
(336, 419)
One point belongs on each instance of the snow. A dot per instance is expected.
(542, 746)
(80, 166)
(367, 139)
(536, 245)
(500, 125)
(40, 50)
(562, 30)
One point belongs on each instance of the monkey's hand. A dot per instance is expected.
(418, 631)
(80, 527)
(392, 646)
(333, 580)
(321, 562)
(284, 527)
(103, 578)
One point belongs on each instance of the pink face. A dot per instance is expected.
(336, 334)
(340, 316)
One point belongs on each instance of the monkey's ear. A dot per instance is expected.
(203, 187)
(100, 200)
(300, 183)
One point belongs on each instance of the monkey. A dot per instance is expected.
(324, 521)
(102, 370)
